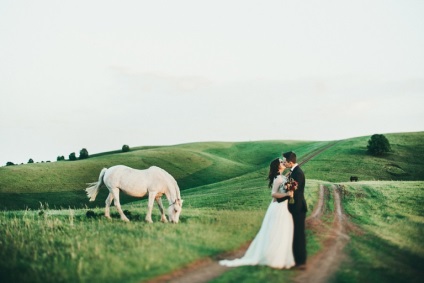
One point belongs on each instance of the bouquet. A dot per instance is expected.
(291, 185)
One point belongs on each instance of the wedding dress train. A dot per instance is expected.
(272, 245)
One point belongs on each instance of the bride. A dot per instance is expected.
(272, 245)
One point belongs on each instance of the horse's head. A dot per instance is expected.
(174, 210)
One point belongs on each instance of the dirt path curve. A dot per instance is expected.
(323, 265)
(205, 270)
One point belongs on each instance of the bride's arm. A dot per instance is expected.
(280, 195)
(275, 189)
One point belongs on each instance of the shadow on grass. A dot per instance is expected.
(57, 200)
(373, 259)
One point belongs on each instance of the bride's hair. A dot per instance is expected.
(273, 171)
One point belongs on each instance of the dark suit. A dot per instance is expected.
(298, 210)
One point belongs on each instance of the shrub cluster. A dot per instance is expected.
(83, 153)
(72, 156)
(378, 145)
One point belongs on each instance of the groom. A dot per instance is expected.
(298, 209)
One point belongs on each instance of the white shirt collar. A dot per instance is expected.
(294, 166)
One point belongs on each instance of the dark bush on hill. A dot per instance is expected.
(30, 161)
(83, 153)
(378, 145)
(125, 148)
(72, 156)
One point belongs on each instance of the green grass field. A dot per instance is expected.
(386, 245)
(225, 197)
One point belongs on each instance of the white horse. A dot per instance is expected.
(153, 181)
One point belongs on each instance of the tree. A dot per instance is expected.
(83, 153)
(125, 148)
(378, 145)
(60, 158)
(72, 156)
(30, 161)
(9, 163)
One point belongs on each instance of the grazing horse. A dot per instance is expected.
(153, 181)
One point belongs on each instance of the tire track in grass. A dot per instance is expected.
(323, 265)
(308, 157)
(318, 211)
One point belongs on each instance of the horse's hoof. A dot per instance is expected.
(126, 220)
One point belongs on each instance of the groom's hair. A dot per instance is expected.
(290, 156)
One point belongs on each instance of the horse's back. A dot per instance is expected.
(122, 176)
(119, 170)
(160, 171)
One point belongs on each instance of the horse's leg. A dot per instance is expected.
(152, 197)
(115, 192)
(108, 203)
(159, 202)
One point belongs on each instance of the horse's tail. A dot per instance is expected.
(93, 190)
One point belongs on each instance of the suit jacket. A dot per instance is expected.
(299, 205)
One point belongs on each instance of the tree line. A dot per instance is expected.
(83, 154)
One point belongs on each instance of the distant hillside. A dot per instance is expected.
(350, 158)
(198, 164)
(63, 183)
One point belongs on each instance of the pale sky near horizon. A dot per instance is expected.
(100, 74)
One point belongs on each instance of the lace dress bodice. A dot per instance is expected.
(278, 185)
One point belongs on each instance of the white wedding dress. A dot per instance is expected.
(272, 245)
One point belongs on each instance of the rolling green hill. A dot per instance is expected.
(61, 184)
(350, 158)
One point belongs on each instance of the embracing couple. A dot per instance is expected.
(281, 241)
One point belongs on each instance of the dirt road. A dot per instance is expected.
(323, 265)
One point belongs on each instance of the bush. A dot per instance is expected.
(125, 148)
(60, 158)
(30, 161)
(9, 163)
(378, 145)
(83, 153)
(72, 156)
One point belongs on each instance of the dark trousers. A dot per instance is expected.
(299, 238)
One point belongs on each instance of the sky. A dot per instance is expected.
(99, 74)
